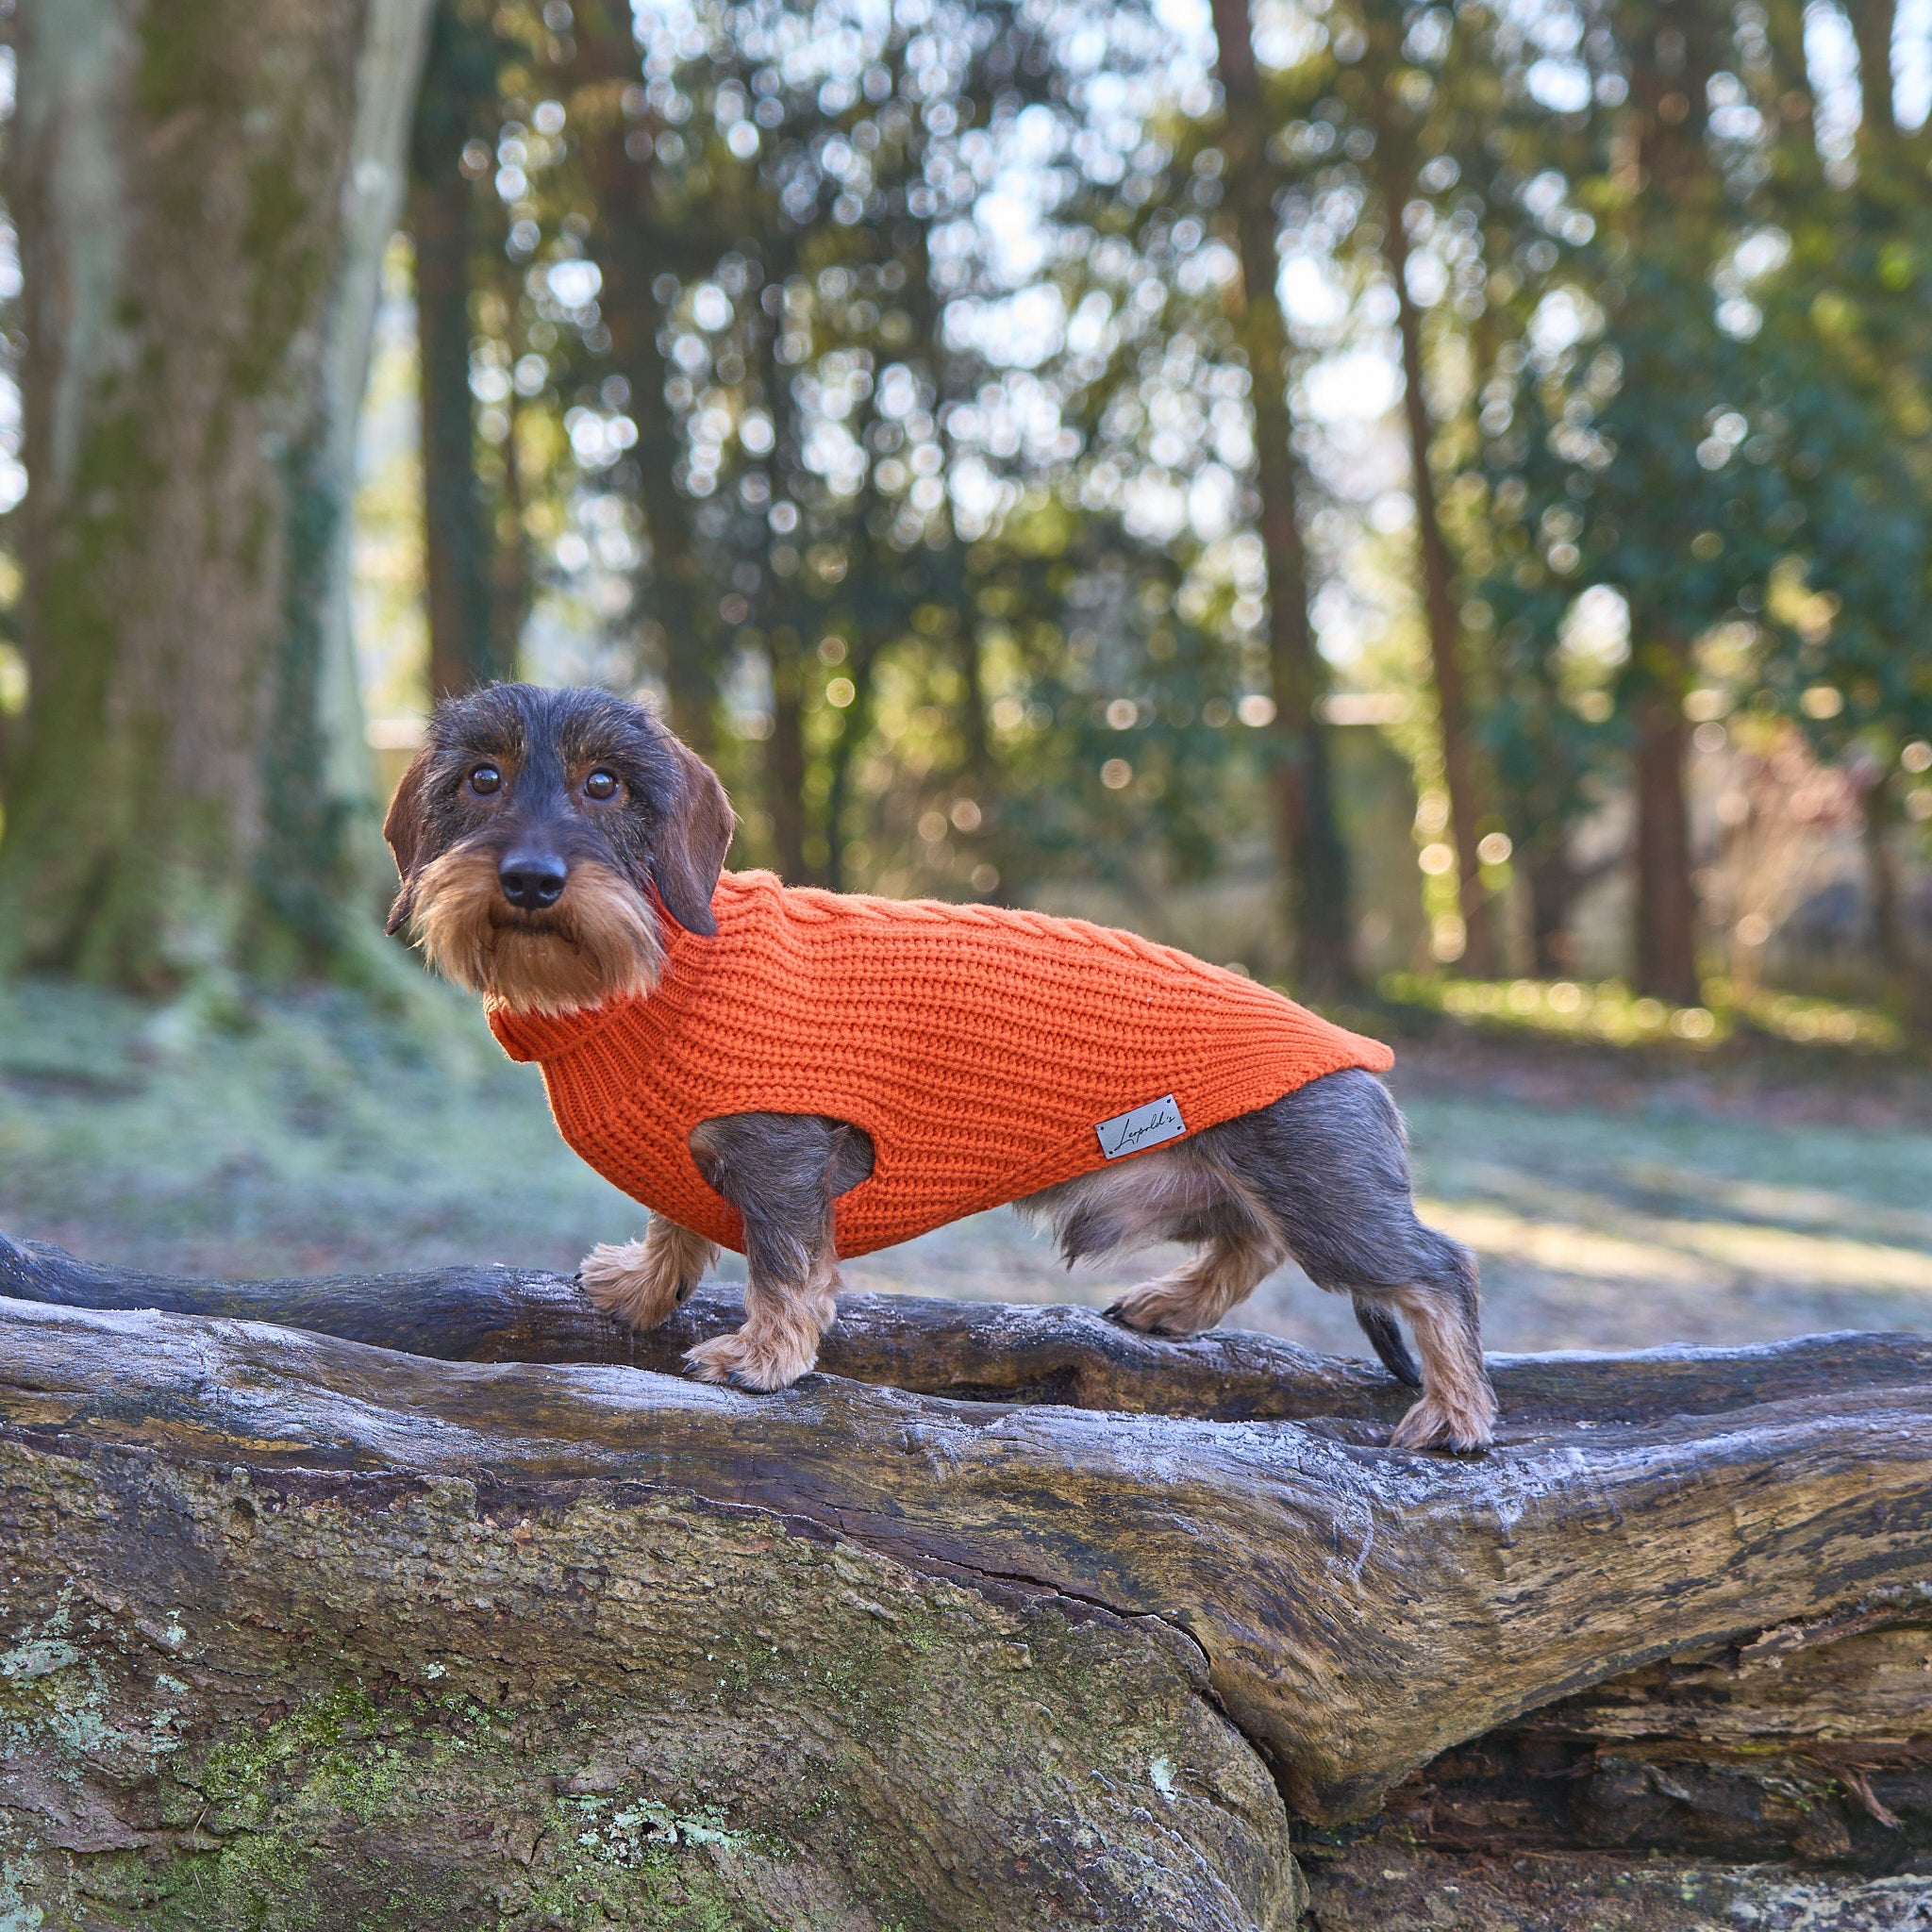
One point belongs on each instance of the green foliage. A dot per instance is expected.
(1608, 1013)
(874, 387)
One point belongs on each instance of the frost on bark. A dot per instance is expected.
(1005, 1618)
(203, 189)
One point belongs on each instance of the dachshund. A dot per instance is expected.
(555, 845)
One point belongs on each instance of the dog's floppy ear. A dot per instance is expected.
(690, 847)
(404, 829)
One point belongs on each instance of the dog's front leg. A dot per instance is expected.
(786, 1309)
(781, 1172)
(640, 1282)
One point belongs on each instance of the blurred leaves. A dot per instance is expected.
(866, 381)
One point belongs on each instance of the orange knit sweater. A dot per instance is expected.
(988, 1053)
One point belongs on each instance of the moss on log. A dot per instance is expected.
(244, 1696)
(926, 1641)
(289, 1639)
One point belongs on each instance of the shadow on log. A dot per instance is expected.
(1006, 1618)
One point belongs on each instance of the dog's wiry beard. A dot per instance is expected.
(599, 942)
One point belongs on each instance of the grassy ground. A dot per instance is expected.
(1618, 1196)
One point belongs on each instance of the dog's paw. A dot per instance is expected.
(1156, 1307)
(627, 1280)
(1466, 1429)
(758, 1360)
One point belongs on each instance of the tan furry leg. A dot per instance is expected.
(640, 1282)
(783, 1322)
(1457, 1409)
(1196, 1294)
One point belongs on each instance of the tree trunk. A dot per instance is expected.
(1872, 23)
(1666, 899)
(1551, 879)
(861, 656)
(1811, 1742)
(459, 78)
(545, 1680)
(1794, 132)
(1671, 68)
(784, 760)
(509, 579)
(631, 251)
(791, 655)
(1481, 959)
(203, 196)
(1315, 860)
(1908, 980)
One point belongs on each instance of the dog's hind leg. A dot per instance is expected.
(1170, 1194)
(782, 1173)
(640, 1282)
(1457, 1409)
(1330, 1162)
(1226, 1270)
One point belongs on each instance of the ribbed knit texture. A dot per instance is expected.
(978, 1047)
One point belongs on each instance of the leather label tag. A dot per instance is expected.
(1141, 1126)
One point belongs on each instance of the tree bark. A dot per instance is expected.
(509, 580)
(631, 248)
(1544, 856)
(500, 1688)
(1795, 132)
(1481, 959)
(203, 196)
(1794, 1745)
(1670, 66)
(1666, 899)
(459, 78)
(859, 660)
(784, 762)
(1872, 23)
(1908, 980)
(1358, 1611)
(1315, 858)
(789, 643)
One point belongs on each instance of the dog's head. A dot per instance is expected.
(539, 834)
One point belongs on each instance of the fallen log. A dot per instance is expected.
(1781, 1783)
(1006, 1606)
(980, 1351)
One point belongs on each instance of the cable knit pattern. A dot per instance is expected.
(979, 1048)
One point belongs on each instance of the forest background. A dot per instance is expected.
(1431, 505)
(1461, 472)
(1403, 488)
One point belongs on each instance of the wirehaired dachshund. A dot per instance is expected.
(543, 837)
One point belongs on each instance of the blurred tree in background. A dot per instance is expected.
(474, 579)
(1041, 448)
(202, 193)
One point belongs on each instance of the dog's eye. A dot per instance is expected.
(601, 785)
(485, 779)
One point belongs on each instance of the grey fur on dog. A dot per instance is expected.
(782, 1172)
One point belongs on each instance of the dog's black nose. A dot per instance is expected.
(533, 881)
